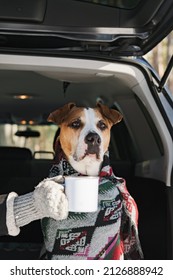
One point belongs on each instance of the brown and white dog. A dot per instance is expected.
(85, 134)
(84, 138)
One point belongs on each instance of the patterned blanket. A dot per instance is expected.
(109, 233)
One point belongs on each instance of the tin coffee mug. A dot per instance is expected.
(82, 193)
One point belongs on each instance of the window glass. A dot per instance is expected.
(42, 143)
(159, 58)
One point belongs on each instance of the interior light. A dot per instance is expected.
(23, 122)
(106, 75)
(31, 122)
(22, 96)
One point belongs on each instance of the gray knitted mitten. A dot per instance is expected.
(47, 200)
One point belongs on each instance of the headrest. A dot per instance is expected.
(15, 153)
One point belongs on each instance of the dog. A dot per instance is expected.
(82, 149)
(85, 134)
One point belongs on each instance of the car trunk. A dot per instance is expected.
(138, 145)
(123, 28)
(74, 51)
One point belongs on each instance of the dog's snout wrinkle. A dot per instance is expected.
(93, 139)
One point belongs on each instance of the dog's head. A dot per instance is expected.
(85, 134)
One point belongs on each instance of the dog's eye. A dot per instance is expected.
(76, 124)
(101, 125)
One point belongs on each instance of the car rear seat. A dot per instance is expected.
(14, 162)
(151, 198)
(40, 168)
(19, 172)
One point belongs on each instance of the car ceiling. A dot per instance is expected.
(48, 94)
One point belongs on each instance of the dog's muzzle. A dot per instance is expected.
(93, 142)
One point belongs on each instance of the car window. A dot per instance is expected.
(43, 143)
(159, 58)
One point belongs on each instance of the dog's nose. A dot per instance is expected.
(93, 138)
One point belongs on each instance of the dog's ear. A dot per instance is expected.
(60, 114)
(112, 115)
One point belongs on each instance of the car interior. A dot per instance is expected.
(139, 148)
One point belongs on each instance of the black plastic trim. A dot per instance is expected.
(151, 125)
(23, 10)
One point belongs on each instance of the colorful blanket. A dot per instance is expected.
(109, 233)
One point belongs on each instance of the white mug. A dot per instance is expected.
(82, 193)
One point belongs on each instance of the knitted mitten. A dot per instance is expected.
(47, 200)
